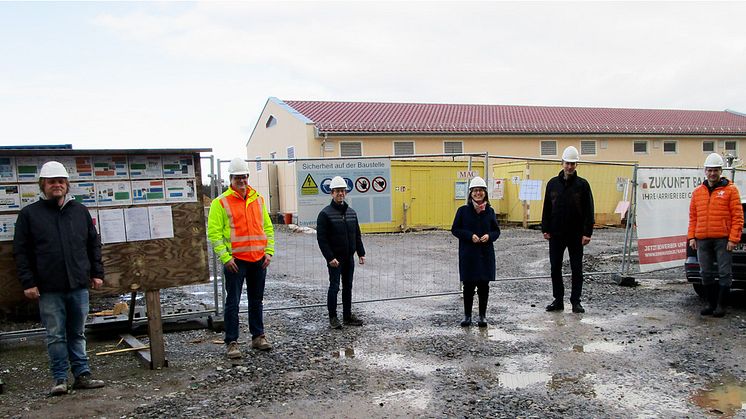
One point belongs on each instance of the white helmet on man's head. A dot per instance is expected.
(338, 182)
(477, 182)
(238, 167)
(570, 155)
(52, 169)
(714, 160)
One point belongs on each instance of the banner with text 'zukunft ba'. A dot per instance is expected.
(663, 197)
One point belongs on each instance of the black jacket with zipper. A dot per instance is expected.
(568, 207)
(56, 249)
(338, 232)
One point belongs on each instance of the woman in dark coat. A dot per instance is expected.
(476, 227)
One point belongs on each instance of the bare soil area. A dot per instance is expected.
(637, 352)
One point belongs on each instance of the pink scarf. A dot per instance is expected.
(479, 207)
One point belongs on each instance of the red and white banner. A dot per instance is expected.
(662, 215)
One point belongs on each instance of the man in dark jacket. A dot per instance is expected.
(58, 255)
(338, 234)
(567, 222)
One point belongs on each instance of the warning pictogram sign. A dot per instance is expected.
(309, 186)
(362, 184)
(379, 184)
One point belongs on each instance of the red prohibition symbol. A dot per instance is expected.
(379, 184)
(362, 184)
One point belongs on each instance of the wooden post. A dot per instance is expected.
(525, 213)
(155, 329)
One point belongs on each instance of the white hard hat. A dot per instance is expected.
(52, 169)
(238, 167)
(337, 182)
(570, 155)
(714, 160)
(477, 182)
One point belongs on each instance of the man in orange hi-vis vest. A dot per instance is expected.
(241, 234)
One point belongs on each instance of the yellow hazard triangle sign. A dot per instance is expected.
(309, 186)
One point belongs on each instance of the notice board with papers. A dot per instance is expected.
(146, 205)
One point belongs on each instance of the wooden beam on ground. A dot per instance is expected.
(155, 329)
(143, 353)
(119, 351)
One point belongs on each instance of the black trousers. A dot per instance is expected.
(483, 290)
(345, 270)
(574, 245)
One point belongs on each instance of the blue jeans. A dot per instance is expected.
(254, 275)
(710, 251)
(344, 271)
(574, 245)
(63, 314)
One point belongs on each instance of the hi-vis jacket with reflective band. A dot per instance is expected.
(716, 213)
(240, 228)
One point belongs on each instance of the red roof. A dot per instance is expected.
(413, 118)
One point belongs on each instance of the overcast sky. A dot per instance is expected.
(188, 75)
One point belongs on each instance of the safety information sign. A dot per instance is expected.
(7, 226)
(309, 186)
(367, 182)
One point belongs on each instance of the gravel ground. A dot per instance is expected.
(637, 352)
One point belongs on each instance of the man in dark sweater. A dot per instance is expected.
(338, 234)
(567, 222)
(58, 256)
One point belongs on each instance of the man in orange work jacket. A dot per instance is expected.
(241, 234)
(715, 224)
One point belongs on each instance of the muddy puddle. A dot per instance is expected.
(387, 361)
(524, 371)
(600, 346)
(725, 398)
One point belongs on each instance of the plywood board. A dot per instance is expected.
(142, 265)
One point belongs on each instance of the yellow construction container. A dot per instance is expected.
(425, 194)
(608, 183)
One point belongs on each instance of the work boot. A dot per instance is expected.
(85, 382)
(466, 322)
(260, 342)
(232, 351)
(59, 388)
(722, 301)
(557, 305)
(711, 296)
(482, 321)
(334, 323)
(352, 320)
(577, 308)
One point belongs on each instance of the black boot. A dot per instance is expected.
(711, 296)
(482, 319)
(722, 300)
(466, 322)
(557, 305)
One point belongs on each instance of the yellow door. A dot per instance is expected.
(423, 205)
(512, 190)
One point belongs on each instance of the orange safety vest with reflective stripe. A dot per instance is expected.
(240, 228)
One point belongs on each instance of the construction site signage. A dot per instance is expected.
(309, 186)
(530, 190)
(663, 197)
(498, 190)
(368, 190)
(103, 181)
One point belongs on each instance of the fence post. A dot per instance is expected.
(487, 169)
(631, 211)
